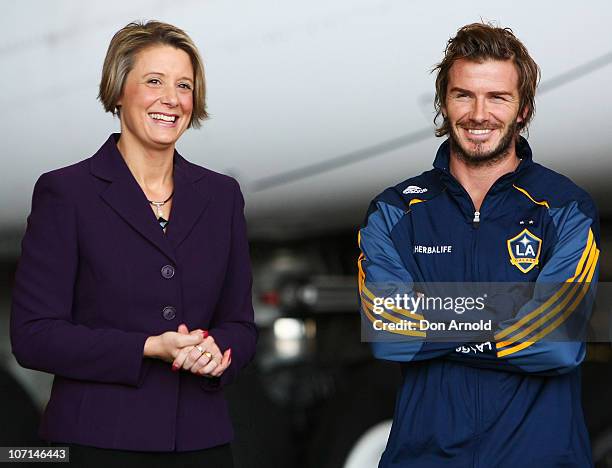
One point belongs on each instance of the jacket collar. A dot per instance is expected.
(125, 196)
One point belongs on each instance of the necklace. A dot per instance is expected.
(157, 204)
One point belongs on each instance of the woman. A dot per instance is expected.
(134, 259)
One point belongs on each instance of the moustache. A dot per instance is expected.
(479, 127)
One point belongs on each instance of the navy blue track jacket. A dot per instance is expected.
(514, 400)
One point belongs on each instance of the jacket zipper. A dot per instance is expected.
(475, 225)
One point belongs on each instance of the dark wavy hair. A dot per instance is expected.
(480, 42)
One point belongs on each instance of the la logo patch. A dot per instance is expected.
(524, 250)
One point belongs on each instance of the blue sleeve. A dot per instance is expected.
(544, 336)
(383, 274)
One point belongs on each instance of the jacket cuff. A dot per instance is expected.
(138, 366)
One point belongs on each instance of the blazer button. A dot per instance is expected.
(167, 271)
(169, 312)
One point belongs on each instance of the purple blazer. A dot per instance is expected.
(97, 276)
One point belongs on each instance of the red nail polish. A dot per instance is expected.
(174, 368)
(205, 333)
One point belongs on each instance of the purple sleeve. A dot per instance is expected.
(44, 336)
(233, 324)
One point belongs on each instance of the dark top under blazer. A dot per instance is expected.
(93, 283)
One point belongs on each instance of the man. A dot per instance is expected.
(485, 213)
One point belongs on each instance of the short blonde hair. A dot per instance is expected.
(129, 41)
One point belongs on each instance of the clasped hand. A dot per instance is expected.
(194, 351)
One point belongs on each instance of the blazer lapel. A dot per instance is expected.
(125, 196)
(188, 203)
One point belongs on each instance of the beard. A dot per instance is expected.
(478, 157)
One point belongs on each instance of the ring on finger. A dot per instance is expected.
(208, 354)
(201, 350)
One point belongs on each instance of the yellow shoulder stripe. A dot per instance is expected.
(526, 193)
(583, 256)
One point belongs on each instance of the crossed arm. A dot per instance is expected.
(519, 343)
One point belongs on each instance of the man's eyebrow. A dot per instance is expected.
(490, 93)
(460, 90)
(161, 74)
